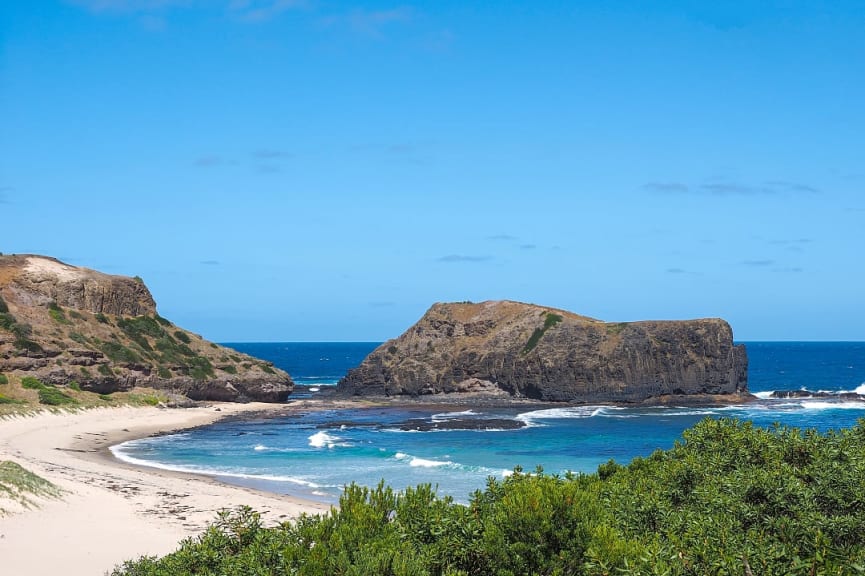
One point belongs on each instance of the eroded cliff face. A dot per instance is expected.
(523, 350)
(65, 324)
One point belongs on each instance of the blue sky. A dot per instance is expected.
(313, 170)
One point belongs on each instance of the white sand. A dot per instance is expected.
(113, 511)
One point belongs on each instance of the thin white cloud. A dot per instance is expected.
(262, 10)
(464, 258)
(128, 6)
(371, 23)
(731, 189)
(210, 161)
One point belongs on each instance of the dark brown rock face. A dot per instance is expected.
(542, 353)
(62, 323)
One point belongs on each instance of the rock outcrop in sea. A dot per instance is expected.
(528, 351)
(64, 324)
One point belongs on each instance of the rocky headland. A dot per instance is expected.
(71, 326)
(515, 350)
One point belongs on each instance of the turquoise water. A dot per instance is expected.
(315, 453)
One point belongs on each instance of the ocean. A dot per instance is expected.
(314, 454)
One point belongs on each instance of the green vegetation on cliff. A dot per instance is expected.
(729, 499)
(550, 320)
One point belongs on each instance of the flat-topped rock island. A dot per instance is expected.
(516, 350)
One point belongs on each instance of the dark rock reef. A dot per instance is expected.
(65, 324)
(527, 351)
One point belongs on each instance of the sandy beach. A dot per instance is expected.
(112, 511)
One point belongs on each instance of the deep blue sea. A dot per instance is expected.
(314, 454)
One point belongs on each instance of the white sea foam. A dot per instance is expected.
(531, 418)
(324, 440)
(263, 448)
(846, 405)
(764, 395)
(858, 390)
(416, 462)
(452, 415)
(120, 454)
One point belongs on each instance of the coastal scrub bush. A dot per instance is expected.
(163, 372)
(118, 352)
(4, 379)
(200, 368)
(57, 313)
(102, 318)
(182, 337)
(549, 321)
(51, 396)
(7, 321)
(105, 370)
(27, 345)
(78, 337)
(32, 383)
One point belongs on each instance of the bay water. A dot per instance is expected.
(314, 453)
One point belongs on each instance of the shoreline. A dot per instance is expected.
(113, 510)
(110, 510)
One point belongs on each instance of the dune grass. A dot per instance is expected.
(23, 487)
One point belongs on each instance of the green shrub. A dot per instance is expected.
(549, 321)
(229, 368)
(76, 314)
(57, 313)
(163, 372)
(105, 370)
(77, 337)
(616, 328)
(200, 368)
(146, 399)
(32, 383)
(106, 397)
(7, 400)
(74, 385)
(267, 368)
(102, 318)
(22, 330)
(7, 321)
(119, 353)
(54, 397)
(27, 345)
(182, 337)
(4, 379)
(162, 320)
